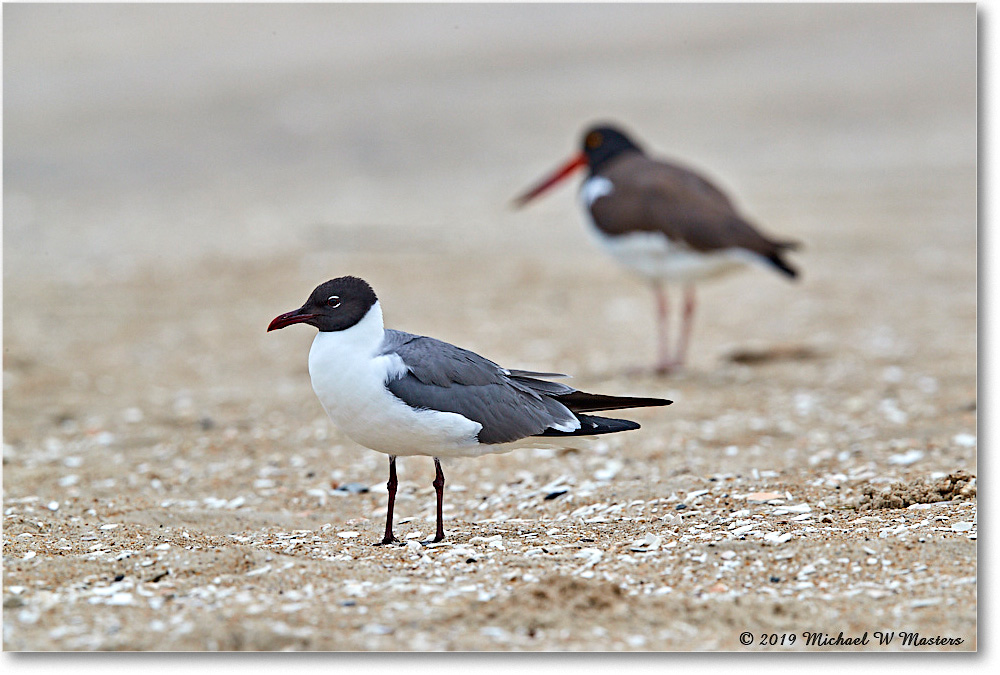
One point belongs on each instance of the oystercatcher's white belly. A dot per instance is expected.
(651, 255)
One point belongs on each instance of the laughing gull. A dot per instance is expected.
(663, 222)
(404, 394)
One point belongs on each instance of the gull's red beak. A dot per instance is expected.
(288, 318)
(556, 176)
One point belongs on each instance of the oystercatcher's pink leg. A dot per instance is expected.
(663, 362)
(686, 322)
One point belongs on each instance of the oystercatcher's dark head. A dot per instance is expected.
(335, 305)
(601, 144)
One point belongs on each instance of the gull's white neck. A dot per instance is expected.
(342, 360)
(343, 367)
(361, 340)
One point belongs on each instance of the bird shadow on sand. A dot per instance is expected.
(755, 356)
(744, 356)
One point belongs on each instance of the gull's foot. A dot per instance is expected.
(387, 540)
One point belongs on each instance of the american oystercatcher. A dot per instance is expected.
(404, 394)
(663, 222)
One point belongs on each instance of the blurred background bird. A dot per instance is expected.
(664, 222)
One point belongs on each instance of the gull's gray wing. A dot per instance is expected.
(509, 405)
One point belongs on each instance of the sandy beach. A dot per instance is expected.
(176, 176)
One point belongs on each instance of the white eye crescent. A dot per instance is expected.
(333, 301)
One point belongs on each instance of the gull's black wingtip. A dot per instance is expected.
(581, 401)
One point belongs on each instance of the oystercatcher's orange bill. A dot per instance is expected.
(566, 169)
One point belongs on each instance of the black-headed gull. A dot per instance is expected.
(404, 394)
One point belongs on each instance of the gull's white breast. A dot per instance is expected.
(349, 379)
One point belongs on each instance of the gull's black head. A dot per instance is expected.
(603, 143)
(335, 305)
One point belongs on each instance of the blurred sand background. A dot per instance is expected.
(175, 176)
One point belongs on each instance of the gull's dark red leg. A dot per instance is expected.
(439, 488)
(391, 485)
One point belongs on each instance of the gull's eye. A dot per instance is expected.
(333, 301)
(594, 139)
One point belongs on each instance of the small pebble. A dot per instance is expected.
(763, 496)
(636, 640)
(777, 537)
(647, 544)
(610, 470)
(352, 488)
(377, 629)
(132, 415)
(120, 598)
(907, 458)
